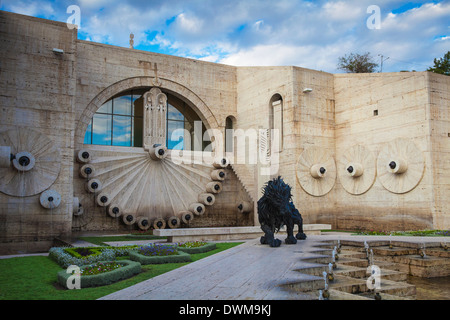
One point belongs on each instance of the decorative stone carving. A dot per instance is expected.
(245, 207)
(93, 186)
(218, 175)
(207, 199)
(197, 208)
(159, 223)
(128, 219)
(186, 216)
(316, 171)
(50, 199)
(103, 200)
(36, 162)
(87, 171)
(173, 222)
(357, 169)
(220, 163)
(214, 187)
(114, 210)
(83, 156)
(155, 104)
(143, 223)
(400, 166)
(157, 152)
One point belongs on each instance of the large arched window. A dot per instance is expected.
(119, 122)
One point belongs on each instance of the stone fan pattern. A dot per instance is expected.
(46, 167)
(144, 187)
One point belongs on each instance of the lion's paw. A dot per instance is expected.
(290, 240)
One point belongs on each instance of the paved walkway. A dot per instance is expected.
(249, 271)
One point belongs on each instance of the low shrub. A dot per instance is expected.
(157, 250)
(66, 256)
(196, 247)
(180, 256)
(126, 270)
(65, 259)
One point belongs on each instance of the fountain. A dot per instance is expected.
(422, 252)
(325, 293)
(366, 247)
(321, 295)
(330, 272)
(334, 257)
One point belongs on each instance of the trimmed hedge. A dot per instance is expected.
(66, 256)
(180, 257)
(202, 249)
(129, 269)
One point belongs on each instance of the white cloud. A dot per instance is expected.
(310, 34)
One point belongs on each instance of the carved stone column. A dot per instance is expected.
(155, 104)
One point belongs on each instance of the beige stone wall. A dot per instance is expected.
(38, 93)
(401, 101)
(439, 115)
(314, 123)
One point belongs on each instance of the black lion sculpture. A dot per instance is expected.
(275, 209)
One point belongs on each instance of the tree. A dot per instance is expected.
(442, 65)
(357, 63)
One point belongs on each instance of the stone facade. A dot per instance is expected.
(327, 121)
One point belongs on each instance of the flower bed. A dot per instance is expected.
(87, 255)
(158, 254)
(192, 247)
(107, 275)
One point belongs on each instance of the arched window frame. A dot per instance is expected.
(189, 116)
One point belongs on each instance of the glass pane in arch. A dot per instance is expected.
(122, 105)
(121, 131)
(174, 114)
(101, 129)
(175, 135)
(106, 107)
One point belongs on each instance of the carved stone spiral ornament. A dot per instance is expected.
(316, 171)
(400, 166)
(35, 162)
(357, 169)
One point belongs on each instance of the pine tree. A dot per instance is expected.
(442, 65)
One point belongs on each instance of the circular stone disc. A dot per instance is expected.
(316, 186)
(361, 155)
(50, 199)
(408, 180)
(46, 167)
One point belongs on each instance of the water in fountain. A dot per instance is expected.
(321, 295)
(366, 247)
(333, 258)
(424, 255)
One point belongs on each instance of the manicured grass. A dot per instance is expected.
(35, 278)
(416, 233)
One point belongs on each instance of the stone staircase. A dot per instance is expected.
(351, 279)
(245, 174)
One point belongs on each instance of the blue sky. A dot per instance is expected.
(310, 34)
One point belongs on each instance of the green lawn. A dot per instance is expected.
(34, 278)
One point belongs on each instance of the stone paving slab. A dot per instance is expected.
(250, 271)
